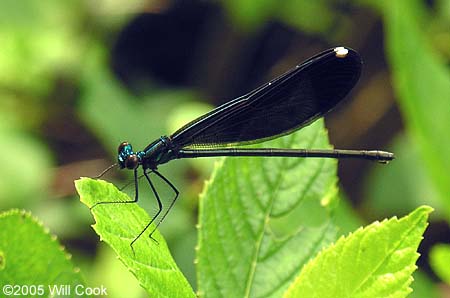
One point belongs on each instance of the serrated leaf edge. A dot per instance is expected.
(425, 209)
(53, 237)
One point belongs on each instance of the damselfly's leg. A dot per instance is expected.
(171, 204)
(157, 213)
(136, 194)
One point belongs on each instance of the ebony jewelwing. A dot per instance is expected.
(287, 103)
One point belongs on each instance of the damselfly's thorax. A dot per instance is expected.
(158, 152)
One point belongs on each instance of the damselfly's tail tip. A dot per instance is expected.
(385, 157)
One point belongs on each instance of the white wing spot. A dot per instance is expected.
(341, 52)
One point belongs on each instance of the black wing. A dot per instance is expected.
(287, 103)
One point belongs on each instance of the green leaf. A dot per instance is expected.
(107, 270)
(262, 219)
(422, 82)
(118, 225)
(439, 260)
(375, 261)
(29, 255)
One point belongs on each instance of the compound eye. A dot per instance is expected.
(121, 146)
(132, 162)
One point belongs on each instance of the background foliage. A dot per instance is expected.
(76, 78)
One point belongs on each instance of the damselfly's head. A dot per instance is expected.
(127, 158)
